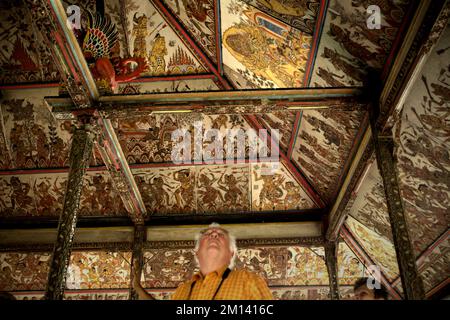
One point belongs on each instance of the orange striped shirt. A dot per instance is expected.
(239, 285)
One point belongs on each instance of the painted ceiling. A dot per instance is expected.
(254, 43)
(422, 152)
(348, 48)
(209, 45)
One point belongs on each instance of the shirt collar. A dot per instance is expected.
(219, 272)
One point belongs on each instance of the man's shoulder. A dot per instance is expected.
(245, 273)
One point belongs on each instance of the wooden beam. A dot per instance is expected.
(249, 234)
(121, 175)
(440, 292)
(318, 29)
(22, 86)
(411, 280)
(80, 154)
(30, 172)
(356, 143)
(215, 102)
(51, 20)
(185, 77)
(314, 215)
(83, 95)
(420, 262)
(428, 23)
(137, 258)
(298, 176)
(338, 212)
(365, 259)
(331, 262)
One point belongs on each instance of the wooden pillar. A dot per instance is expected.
(80, 154)
(137, 258)
(331, 262)
(411, 280)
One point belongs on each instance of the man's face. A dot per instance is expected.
(364, 293)
(214, 244)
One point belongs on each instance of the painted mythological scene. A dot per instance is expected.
(156, 138)
(323, 144)
(220, 189)
(380, 249)
(265, 52)
(42, 195)
(283, 122)
(147, 35)
(277, 190)
(31, 136)
(299, 14)
(348, 48)
(368, 206)
(423, 136)
(24, 57)
(198, 16)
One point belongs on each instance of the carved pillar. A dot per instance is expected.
(137, 258)
(331, 262)
(80, 154)
(411, 280)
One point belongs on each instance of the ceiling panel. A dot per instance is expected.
(145, 33)
(348, 47)
(199, 18)
(323, 144)
(380, 249)
(283, 122)
(267, 53)
(24, 56)
(298, 15)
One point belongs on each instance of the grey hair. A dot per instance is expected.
(232, 238)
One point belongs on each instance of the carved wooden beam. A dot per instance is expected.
(420, 262)
(298, 176)
(331, 262)
(338, 212)
(137, 257)
(428, 23)
(216, 102)
(411, 280)
(50, 19)
(145, 79)
(80, 154)
(29, 172)
(121, 175)
(366, 260)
